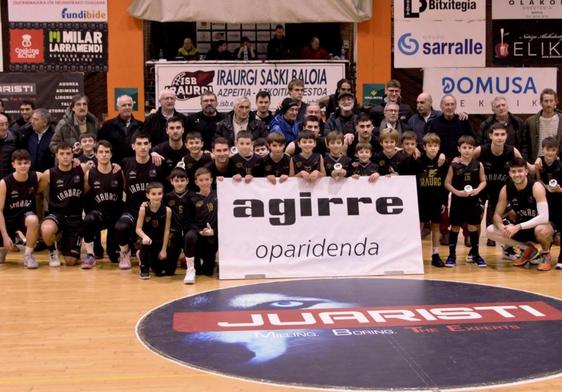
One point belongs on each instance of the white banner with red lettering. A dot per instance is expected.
(349, 227)
(230, 80)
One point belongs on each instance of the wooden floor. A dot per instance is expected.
(73, 330)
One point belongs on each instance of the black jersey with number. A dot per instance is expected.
(20, 196)
(106, 192)
(154, 223)
(190, 165)
(277, 169)
(522, 201)
(171, 157)
(389, 165)
(330, 161)
(180, 204)
(65, 191)
(464, 175)
(364, 169)
(204, 210)
(431, 178)
(548, 173)
(309, 164)
(245, 166)
(137, 177)
(215, 172)
(496, 168)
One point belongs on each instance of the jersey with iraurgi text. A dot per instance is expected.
(137, 177)
(431, 179)
(205, 210)
(191, 165)
(106, 192)
(522, 202)
(496, 168)
(20, 196)
(330, 161)
(464, 175)
(277, 169)
(363, 169)
(247, 166)
(180, 204)
(171, 157)
(309, 164)
(388, 165)
(548, 173)
(65, 191)
(154, 223)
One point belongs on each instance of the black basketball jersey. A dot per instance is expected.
(137, 176)
(464, 175)
(244, 166)
(205, 210)
(522, 201)
(180, 205)
(431, 178)
(85, 159)
(330, 161)
(319, 148)
(309, 164)
(363, 169)
(65, 191)
(154, 223)
(277, 169)
(20, 196)
(552, 172)
(191, 165)
(496, 167)
(171, 157)
(106, 191)
(389, 165)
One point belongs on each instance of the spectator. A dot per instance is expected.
(425, 113)
(8, 144)
(313, 109)
(547, 122)
(155, 124)
(188, 51)
(343, 119)
(391, 119)
(286, 121)
(246, 51)
(219, 51)
(330, 102)
(205, 122)
(392, 91)
(313, 51)
(26, 109)
(3, 111)
(238, 120)
(76, 121)
(263, 100)
(278, 47)
(296, 93)
(37, 140)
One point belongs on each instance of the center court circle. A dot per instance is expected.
(363, 333)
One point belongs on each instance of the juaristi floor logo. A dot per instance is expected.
(363, 333)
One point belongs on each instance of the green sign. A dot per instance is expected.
(132, 92)
(373, 93)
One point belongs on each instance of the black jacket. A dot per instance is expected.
(119, 135)
(8, 145)
(225, 128)
(155, 125)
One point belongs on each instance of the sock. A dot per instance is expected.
(453, 237)
(189, 262)
(474, 237)
(28, 251)
(436, 250)
(89, 247)
(52, 248)
(123, 248)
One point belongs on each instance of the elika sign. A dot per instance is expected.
(475, 88)
(349, 227)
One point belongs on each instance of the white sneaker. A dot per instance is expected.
(125, 260)
(29, 262)
(189, 276)
(559, 266)
(3, 254)
(54, 258)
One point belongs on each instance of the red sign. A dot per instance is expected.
(27, 46)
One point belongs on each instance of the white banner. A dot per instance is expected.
(475, 88)
(231, 80)
(57, 11)
(439, 10)
(439, 44)
(526, 9)
(330, 228)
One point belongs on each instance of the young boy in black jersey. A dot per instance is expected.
(247, 165)
(390, 158)
(336, 164)
(17, 208)
(260, 147)
(364, 166)
(64, 187)
(276, 164)
(195, 158)
(104, 204)
(307, 164)
(408, 141)
(465, 180)
(201, 242)
(153, 229)
(87, 144)
(310, 123)
(432, 197)
(179, 202)
(549, 173)
(138, 172)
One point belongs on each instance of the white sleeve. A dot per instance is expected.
(541, 218)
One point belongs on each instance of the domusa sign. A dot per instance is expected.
(475, 88)
(232, 80)
(331, 228)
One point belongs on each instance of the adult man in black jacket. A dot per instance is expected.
(155, 124)
(205, 122)
(240, 119)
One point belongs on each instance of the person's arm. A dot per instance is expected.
(8, 244)
(539, 194)
(290, 149)
(146, 240)
(482, 184)
(86, 184)
(44, 184)
(449, 186)
(162, 255)
(291, 168)
(501, 205)
(477, 152)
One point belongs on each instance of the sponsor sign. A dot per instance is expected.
(526, 9)
(475, 88)
(362, 334)
(529, 42)
(439, 9)
(332, 228)
(27, 46)
(232, 80)
(373, 94)
(57, 11)
(52, 91)
(439, 44)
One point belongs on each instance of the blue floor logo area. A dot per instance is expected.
(363, 334)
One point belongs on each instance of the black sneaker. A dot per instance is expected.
(145, 275)
(436, 261)
(451, 261)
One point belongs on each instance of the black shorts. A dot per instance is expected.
(69, 233)
(527, 235)
(176, 239)
(430, 210)
(13, 225)
(465, 210)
